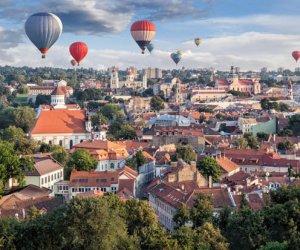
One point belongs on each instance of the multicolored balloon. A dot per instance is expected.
(180, 52)
(73, 62)
(43, 30)
(197, 41)
(176, 57)
(150, 47)
(78, 51)
(296, 55)
(143, 32)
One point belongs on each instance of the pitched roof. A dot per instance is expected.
(44, 166)
(227, 165)
(60, 121)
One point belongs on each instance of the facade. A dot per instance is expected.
(254, 126)
(107, 181)
(170, 120)
(251, 86)
(139, 104)
(146, 172)
(110, 155)
(208, 94)
(130, 82)
(61, 124)
(45, 174)
(153, 73)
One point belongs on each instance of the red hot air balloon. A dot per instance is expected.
(296, 55)
(143, 32)
(78, 50)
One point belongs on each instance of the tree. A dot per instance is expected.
(283, 107)
(202, 210)
(242, 143)
(208, 166)
(23, 89)
(294, 124)
(186, 153)
(33, 213)
(286, 145)
(24, 118)
(42, 99)
(131, 162)
(140, 158)
(285, 132)
(202, 118)
(80, 160)
(262, 136)
(251, 140)
(275, 245)
(156, 103)
(182, 215)
(60, 154)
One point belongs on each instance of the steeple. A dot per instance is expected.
(58, 98)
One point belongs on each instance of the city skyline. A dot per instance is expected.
(250, 35)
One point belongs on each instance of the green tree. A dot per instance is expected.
(286, 145)
(140, 158)
(131, 162)
(186, 153)
(42, 99)
(285, 132)
(208, 166)
(23, 89)
(33, 213)
(275, 245)
(262, 136)
(294, 124)
(157, 103)
(202, 210)
(182, 215)
(24, 118)
(251, 140)
(242, 143)
(80, 160)
(60, 154)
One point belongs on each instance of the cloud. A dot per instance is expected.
(249, 51)
(94, 17)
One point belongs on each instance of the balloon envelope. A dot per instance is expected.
(43, 30)
(143, 32)
(180, 52)
(78, 51)
(176, 57)
(197, 41)
(73, 62)
(296, 55)
(150, 47)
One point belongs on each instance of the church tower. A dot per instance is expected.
(58, 98)
(114, 78)
(145, 85)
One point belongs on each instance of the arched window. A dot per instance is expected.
(71, 143)
(60, 142)
(112, 166)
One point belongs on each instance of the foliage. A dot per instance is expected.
(185, 152)
(202, 118)
(23, 117)
(157, 103)
(238, 93)
(274, 245)
(80, 160)
(294, 124)
(262, 136)
(88, 94)
(205, 109)
(182, 215)
(208, 166)
(202, 210)
(42, 99)
(266, 104)
(242, 143)
(286, 145)
(251, 140)
(60, 154)
(285, 132)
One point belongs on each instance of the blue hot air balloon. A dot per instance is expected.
(150, 47)
(176, 57)
(43, 29)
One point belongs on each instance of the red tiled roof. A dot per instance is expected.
(44, 166)
(60, 121)
(227, 165)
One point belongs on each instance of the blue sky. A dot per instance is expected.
(249, 33)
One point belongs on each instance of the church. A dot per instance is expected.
(63, 124)
(130, 81)
(233, 82)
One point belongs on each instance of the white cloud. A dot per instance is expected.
(248, 51)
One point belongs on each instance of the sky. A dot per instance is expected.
(249, 34)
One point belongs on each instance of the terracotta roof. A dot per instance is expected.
(92, 193)
(148, 156)
(60, 121)
(44, 166)
(227, 165)
(60, 90)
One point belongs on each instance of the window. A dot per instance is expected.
(52, 177)
(112, 165)
(60, 142)
(42, 179)
(50, 142)
(49, 178)
(71, 143)
(45, 179)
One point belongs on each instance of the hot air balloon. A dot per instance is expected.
(296, 55)
(43, 30)
(180, 52)
(143, 32)
(176, 57)
(150, 47)
(197, 41)
(73, 62)
(78, 51)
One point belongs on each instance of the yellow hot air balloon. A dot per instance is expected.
(179, 52)
(197, 41)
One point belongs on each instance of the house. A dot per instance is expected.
(146, 172)
(228, 167)
(17, 203)
(170, 120)
(110, 155)
(46, 172)
(180, 184)
(61, 124)
(121, 180)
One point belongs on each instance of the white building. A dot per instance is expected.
(45, 174)
(63, 124)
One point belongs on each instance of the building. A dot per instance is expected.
(251, 86)
(170, 120)
(178, 135)
(180, 184)
(110, 155)
(138, 104)
(153, 73)
(45, 174)
(130, 82)
(208, 94)
(121, 180)
(63, 124)
(146, 172)
(254, 126)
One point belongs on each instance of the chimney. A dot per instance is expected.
(210, 182)
(173, 163)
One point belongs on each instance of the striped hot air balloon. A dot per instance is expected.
(78, 51)
(143, 32)
(43, 30)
